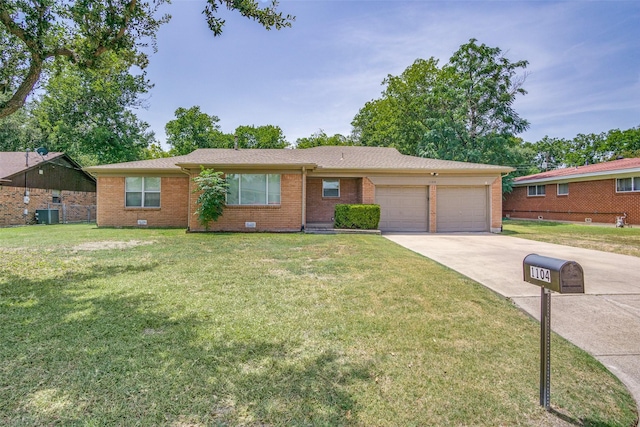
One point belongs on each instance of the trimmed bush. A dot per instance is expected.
(362, 217)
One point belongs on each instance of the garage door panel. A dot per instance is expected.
(462, 209)
(402, 208)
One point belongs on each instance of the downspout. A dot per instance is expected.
(188, 200)
(304, 198)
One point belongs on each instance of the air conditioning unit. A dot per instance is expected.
(47, 216)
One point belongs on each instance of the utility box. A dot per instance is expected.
(47, 216)
(559, 275)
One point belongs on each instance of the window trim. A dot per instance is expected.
(324, 189)
(635, 184)
(558, 189)
(267, 195)
(537, 187)
(142, 193)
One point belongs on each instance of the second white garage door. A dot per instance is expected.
(403, 208)
(462, 209)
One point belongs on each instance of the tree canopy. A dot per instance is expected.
(460, 111)
(320, 138)
(585, 149)
(87, 113)
(33, 34)
(267, 136)
(193, 129)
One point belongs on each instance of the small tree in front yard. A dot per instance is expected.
(212, 200)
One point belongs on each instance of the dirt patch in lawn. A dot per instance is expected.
(108, 244)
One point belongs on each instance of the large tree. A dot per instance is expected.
(19, 131)
(548, 153)
(624, 143)
(460, 111)
(193, 129)
(475, 96)
(33, 33)
(320, 138)
(400, 117)
(88, 113)
(268, 136)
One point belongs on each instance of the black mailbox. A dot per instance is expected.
(555, 274)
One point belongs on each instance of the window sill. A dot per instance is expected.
(252, 206)
(132, 208)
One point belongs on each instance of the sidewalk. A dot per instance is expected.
(604, 321)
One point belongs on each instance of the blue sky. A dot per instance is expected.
(583, 73)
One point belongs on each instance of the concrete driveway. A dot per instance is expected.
(604, 321)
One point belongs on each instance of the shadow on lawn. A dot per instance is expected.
(74, 354)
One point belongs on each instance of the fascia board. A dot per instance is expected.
(593, 176)
(134, 171)
(254, 166)
(397, 171)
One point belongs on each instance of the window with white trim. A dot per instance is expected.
(142, 192)
(330, 188)
(253, 189)
(563, 189)
(535, 190)
(626, 185)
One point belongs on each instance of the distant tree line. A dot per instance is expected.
(461, 110)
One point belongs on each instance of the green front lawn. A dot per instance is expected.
(624, 241)
(160, 327)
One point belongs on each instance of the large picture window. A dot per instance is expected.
(253, 189)
(624, 185)
(535, 190)
(142, 192)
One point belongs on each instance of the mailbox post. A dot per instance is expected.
(551, 274)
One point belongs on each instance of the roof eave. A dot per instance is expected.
(223, 166)
(98, 171)
(578, 177)
(471, 171)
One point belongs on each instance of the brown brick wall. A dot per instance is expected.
(496, 205)
(368, 192)
(322, 209)
(12, 205)
(285, 217)
(173, 211)
(597, 200)
(433, 217)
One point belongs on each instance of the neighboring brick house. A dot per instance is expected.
(594, 193)
(30, 182)
(294, 189)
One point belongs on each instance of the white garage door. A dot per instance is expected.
(462, 209)
(403, 208)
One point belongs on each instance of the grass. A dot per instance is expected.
(624, 241)
(159, 327)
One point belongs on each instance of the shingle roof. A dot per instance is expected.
(327, 157)
(13, 162)
(588, 170)
(168, 163)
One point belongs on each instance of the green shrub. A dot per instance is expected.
(363, 217)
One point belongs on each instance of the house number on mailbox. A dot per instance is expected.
(542, 274)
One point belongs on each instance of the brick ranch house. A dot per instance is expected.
(30, 182)
(294, 189)
(593, 193)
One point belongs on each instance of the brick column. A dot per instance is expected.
(496, 205)
(432, 209)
